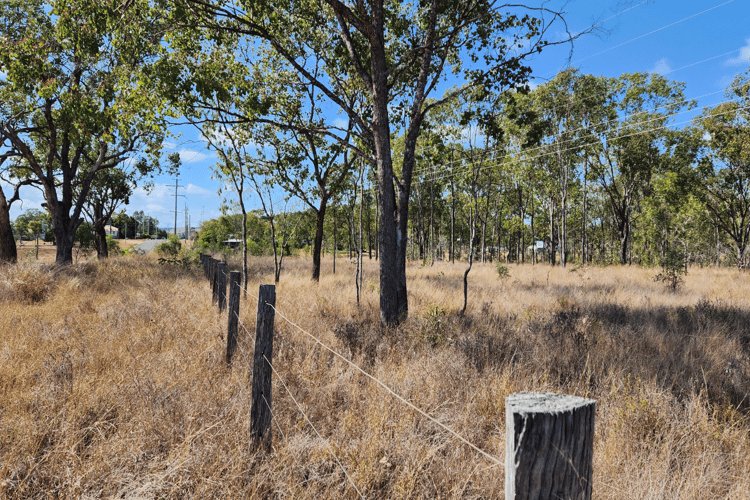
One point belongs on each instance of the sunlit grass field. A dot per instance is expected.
(113, 382)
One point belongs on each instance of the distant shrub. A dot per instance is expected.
(170, 248)
(502, 271)
(113, 246)
(673, 268)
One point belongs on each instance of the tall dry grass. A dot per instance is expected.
(113, 384)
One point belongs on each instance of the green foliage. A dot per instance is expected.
(33, 222)
(184, 258)
(113, 246)
(170, 248)
(673, 268)
(75, 101)
(502, 272)
(85, 238)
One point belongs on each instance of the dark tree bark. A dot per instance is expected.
(8, 252)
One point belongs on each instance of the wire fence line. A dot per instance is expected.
(549, 437)
(309, 422)
(382, 384)
(286, 387)
(493, 459)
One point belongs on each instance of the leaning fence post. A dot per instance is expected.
(222, 286)
(549, 441)
(260, 410)
(234, 311)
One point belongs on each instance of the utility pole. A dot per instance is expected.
(187, 223)
(176, 187)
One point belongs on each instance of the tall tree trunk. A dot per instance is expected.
(552, 248)
(432, 218)
(584, 245)
(369, 229)
(102, 252)
(318, 242)
(377, 226)
(453, 220)
(8, 251)
(473, 231)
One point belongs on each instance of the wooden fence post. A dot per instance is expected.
(214, 281)
(549, 441)
(234, 311)
(260, 410)
(222, 284)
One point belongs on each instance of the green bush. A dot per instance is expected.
(113, 246)
(502, 271)
(673, 268)
(170, 248)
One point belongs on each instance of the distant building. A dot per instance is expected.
(112, 231)
(233, 243)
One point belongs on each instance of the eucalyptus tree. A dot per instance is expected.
(635, 145)
(393, 54)
(74, 97)
(109, 189)
(571, 108)
(725, 168)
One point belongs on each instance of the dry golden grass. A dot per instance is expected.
(113, 384)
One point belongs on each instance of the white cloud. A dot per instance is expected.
(341, 123)
(744, 56)
(192, 156)
(169, 145)
(197, 190)
(661, 67)
(157, 191)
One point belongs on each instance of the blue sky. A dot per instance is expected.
(703, 43)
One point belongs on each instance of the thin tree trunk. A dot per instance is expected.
(453, 221)
(584, 246)
(320, 214)
(472, 218)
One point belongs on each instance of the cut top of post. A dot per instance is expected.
(537, 402)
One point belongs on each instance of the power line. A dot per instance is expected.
(654, 31)
(586, 128)
(518, 160)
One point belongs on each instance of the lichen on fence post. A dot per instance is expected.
(549, 446)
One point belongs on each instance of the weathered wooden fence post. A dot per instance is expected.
(549, 441)
(222, 286)
(214, 281)
(234, 311)
(260, 411)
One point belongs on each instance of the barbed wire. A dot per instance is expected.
(391, 391)
(313, 426)
(493, 459)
